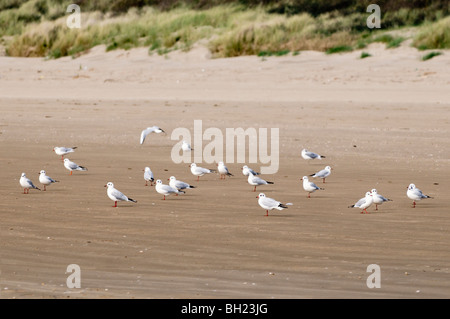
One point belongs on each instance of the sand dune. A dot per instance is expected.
(382, 122)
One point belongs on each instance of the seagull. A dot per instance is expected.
(26, 183)
(199, 171)
(178, 184)
(415, 194)
(364, 203)
(71, 166)
(166, 189)
(310, 187)
(148, 176)
(323, 173)
(269, 203)
(185, 146)
(116, 195)
(149, 130)
(223, 170)
(45, 180)
(307, 155)
(246, 170)
(378, 199)
(256, 181)
(63, 151)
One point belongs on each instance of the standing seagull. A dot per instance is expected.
(166, 189)
(148, 176)
(378, 199)
(45, 180)
(63, 151)
(149, 130)
(323, 173)
(364, 203)
(26, 183)
(71, 166)
(246, 170)
(185, 146)
(310, 187)
(116, 195)
(223, 170)
(415, 194)
(256, 181)
(180, 185)
(199, 171)
(307, 155)
(269, 203)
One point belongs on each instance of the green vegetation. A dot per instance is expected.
(230, 27)
(430, 55)
(365, 55)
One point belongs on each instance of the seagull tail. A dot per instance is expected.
(132, 200)
(269, 182)
(282, 206)
(82, 168)
(351, 206)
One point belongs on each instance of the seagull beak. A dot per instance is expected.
(105, 185)
(257, 196)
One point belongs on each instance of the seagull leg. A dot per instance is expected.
(62, 158)
(414, 204)
(115, 204)
(44, 188)
(146, 183)
(254, 189)
(309, 195)
(24, 190)
(198, 178)
(376, 206)
(70, 173)
(324, 180)
(267, 213)
(366, 211)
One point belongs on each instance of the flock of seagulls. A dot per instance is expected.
(178, 187)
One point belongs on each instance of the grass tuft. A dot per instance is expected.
(430, 55)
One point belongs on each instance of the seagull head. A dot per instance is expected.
(244, 167)
(411, 186)
(42, 172)
(172, 178)
(23, 175)
(328, 168)
(305, 178)
(109, 184)
(374, 191)
(193, 165)
(261, 195)
(159, 181)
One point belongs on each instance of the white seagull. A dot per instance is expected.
(148, 176)
(45, 180)
(256, 181)
(166, 189)
(63, 151)
(364, 203)
(415, 194)
(269, 203)
(223, 170)
(323, 173)
(185, 146)
(378, 199)
(116, 195)
(149, 130)
(199, 171)
(180, 185)
(71, 166)
(246, 170)
(307, 155)
(310, 187)
(26, 183)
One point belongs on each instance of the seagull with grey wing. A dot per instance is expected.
(116, 195)
(26, 183)
(307, 155)
(148, 130)
(323, 173)
(268, 203)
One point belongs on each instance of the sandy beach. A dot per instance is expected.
(382, 122)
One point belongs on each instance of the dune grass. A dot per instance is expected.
(431, 55)
(37, 28)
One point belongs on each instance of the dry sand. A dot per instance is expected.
(382, 122)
